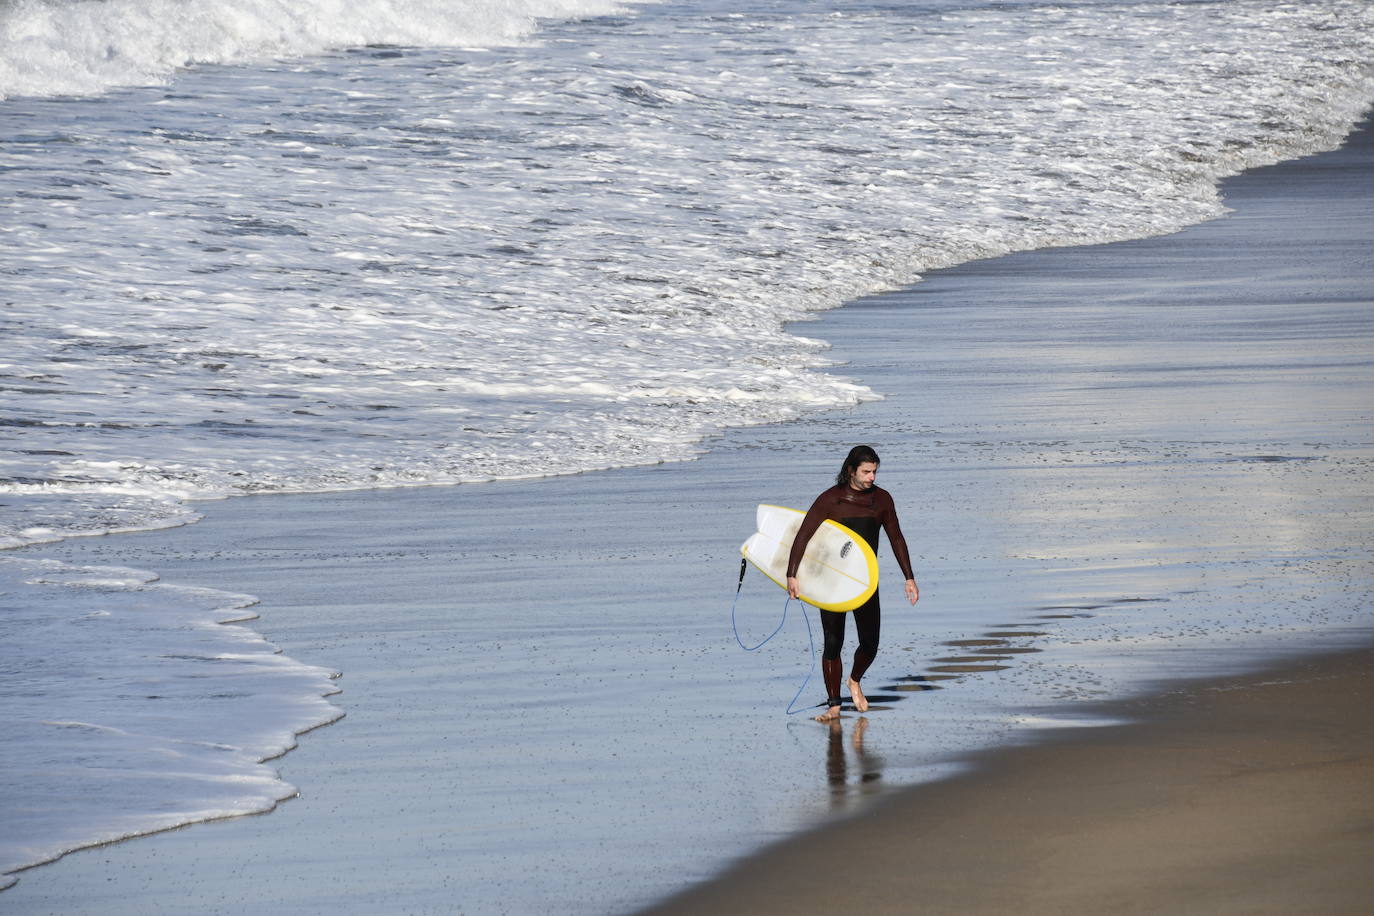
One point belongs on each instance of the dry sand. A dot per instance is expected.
(1246, 796)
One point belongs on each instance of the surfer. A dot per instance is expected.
(858, 503)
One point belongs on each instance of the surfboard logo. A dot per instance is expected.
(844, 551)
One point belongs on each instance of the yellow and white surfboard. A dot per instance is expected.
(838, 571)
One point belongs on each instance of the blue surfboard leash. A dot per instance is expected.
(811, 640)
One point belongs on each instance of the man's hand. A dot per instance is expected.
(913, 594)
(793, 589)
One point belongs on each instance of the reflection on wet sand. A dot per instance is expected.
(842, 757)
(852, 771)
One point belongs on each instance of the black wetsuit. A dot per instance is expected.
(864, 512)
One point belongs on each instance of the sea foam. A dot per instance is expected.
(131, 706)
(70, 47)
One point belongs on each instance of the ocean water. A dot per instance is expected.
(249, 249)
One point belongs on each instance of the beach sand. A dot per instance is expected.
(1115, 452)
(1244, 796)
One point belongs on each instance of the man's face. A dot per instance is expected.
(864, 475)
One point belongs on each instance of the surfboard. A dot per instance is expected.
(838, 571)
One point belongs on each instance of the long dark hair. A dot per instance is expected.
(857, 456)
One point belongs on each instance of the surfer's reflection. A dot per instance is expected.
(842, 757)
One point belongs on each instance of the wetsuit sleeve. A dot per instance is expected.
(819, 512)
(894, 537)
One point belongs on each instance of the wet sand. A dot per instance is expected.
(1245, 796)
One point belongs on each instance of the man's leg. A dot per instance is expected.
(832, 626)
(868, 621)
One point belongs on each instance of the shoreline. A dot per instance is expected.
(364, 581)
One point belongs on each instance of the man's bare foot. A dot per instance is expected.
(830, 715)
(857, 695)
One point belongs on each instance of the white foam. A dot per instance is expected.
(62, 47)
(541, 261)
(131, 707)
